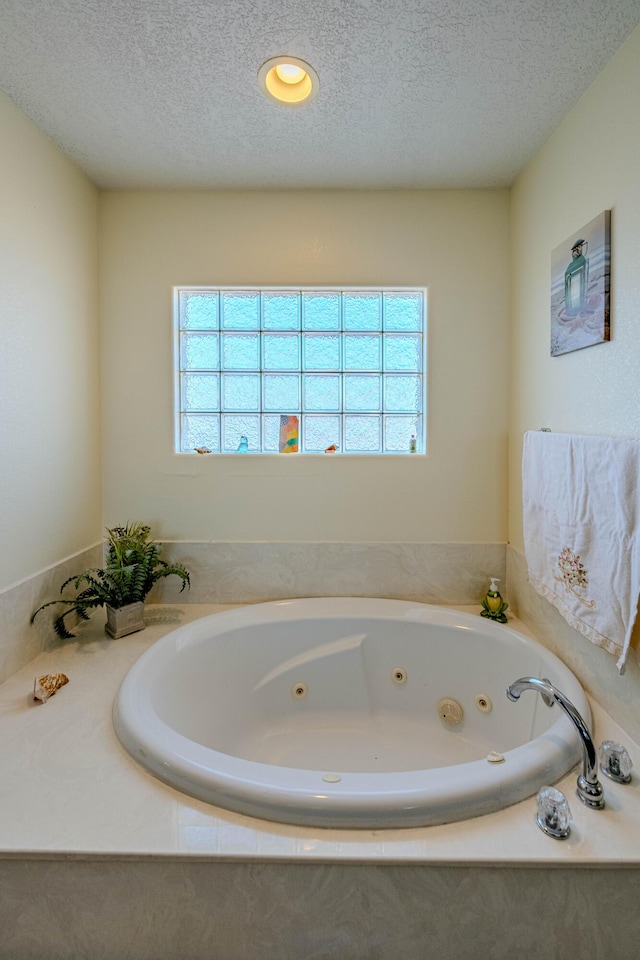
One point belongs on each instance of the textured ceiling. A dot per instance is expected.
(413, 93)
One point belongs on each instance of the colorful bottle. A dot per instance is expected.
(289, 426)
(576, 279)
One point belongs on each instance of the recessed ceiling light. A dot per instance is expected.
(289, 72)
(288, 81)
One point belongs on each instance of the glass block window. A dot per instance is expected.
(349, 363)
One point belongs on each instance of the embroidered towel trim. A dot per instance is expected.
(581, 514)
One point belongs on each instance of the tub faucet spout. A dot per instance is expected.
(589, 788)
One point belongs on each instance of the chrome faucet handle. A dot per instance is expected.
(554, 815)
(615, 761)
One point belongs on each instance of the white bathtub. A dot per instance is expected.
(325, 712)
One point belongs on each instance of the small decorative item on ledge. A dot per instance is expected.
(288, 434)
(45, 687)
(493, 606)
(133, 566)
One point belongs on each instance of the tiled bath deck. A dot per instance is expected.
(68, 790)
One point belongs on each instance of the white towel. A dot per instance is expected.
(581, 512)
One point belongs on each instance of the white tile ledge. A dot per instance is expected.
(69, 791)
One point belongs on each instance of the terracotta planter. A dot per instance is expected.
(124, 620)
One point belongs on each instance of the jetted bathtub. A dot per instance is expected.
(348, 713)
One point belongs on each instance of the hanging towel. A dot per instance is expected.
(581, 512)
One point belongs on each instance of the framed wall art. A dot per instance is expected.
(580, 278)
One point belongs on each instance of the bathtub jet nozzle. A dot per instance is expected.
(589, 789)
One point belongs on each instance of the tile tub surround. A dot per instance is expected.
(161, 910)
(251, 572)
(594, 667)
(20, 641)
(110, 862)
(67, 787)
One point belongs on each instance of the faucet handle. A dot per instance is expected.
(554, 815)
(615, 761)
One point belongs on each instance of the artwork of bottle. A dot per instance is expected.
(576, 279)
(288, 434)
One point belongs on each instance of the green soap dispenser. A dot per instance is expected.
(493, 606)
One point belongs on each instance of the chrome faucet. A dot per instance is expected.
(589, 788)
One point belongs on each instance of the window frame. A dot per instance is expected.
(178, 370)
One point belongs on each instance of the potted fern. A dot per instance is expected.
(132, 567)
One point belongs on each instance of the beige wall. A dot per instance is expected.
(49, 396)
(453, 242)
(590, 164)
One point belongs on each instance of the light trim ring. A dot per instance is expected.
(289, 92)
